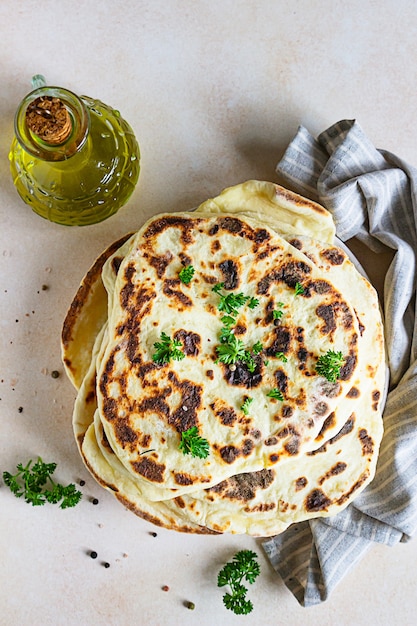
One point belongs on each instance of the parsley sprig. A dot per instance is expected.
(167, 349)
(243, 566)
(186, 274)
(278, 312)
(245, 406)
(31, 482)
(192, 443)
(329, 365)
(276, 393)
(232, 350)
(231, 302)
(299, 289)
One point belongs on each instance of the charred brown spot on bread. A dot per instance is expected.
(155, 404)
(239, 375)
(185, 416)
(183, 479)
(116, 263)
(191, 342)
(209, 279)
(124, 434)
(271, 441)
(297, 200)
(362, 328)
(296, 243)
(215, 246)
(335, 256)
(229, 454)
(281, 380)
(329, 389)
(320, 287)
(170, 289)
(290, 273)
(185, 259)
(293, 446)
(185, 224)
(317, 501)
(230, 271)
(353, 392)
(214, 230)
(210, 374)
(320, 409)
(345, 430)
(90, 397)
(327, 314)
(281, 341)
(337, 469)
(287, 411)
(301, 483)
(261, 235)
(110, 409)
(247, 447)
(105, 442)
(302, 355)
(376, 395)
(149, 469)
(348, 367)
(244, 487)
(346, 496)
(329, 422)
(366, 442)
(161, 262)
(226, 414)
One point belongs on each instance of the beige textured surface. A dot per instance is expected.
(214, 91)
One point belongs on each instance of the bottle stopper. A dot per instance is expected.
(48, 118)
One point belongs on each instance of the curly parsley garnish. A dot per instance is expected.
(276, 393)
(232, 350)
(299, 289)
(281, 356)
(257, 347)
(167, 349)
(230, 302)
(186, 274)
(244, 566)
(192, 443)
(329, 365)
(245, 406)
(278, 313)
(31, 482)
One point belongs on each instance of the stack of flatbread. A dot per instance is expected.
(210, 404)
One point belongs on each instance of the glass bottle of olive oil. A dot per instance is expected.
(73, 159)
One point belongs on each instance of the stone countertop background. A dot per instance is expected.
(214, 92)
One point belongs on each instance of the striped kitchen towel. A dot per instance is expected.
(372, 196)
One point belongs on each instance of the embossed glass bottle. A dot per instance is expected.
(76, 172)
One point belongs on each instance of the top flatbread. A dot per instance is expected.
(144, 405)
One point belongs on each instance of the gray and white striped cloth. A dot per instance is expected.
(372, 195)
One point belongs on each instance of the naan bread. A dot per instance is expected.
(282, 462)
(147, 406)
